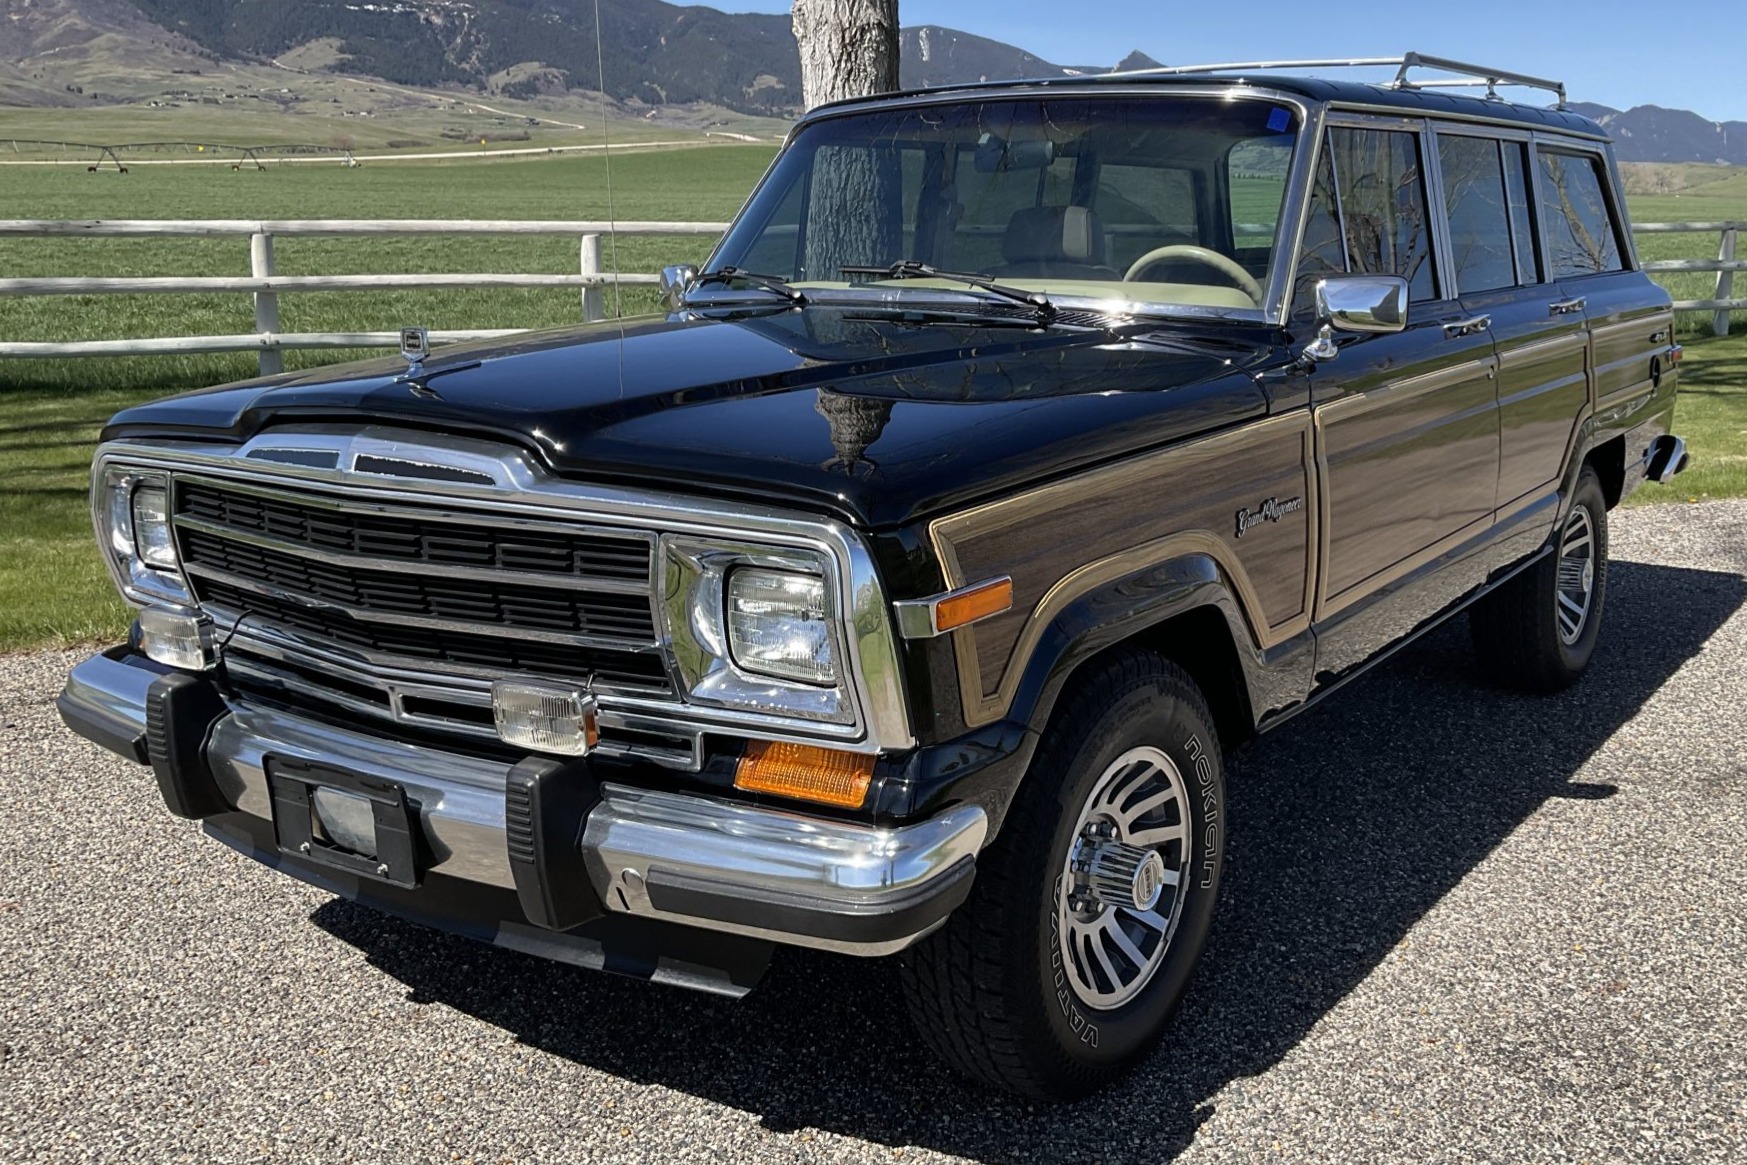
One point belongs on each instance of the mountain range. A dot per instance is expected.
(654, 54)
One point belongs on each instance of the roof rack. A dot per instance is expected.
(1472, 76)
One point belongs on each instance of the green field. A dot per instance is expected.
(53, 588)
(1705, 194)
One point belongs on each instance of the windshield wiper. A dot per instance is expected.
(774, 284)
(915, 269)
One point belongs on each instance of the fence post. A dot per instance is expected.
(594, 301)
(266, 302)
(1725, 283)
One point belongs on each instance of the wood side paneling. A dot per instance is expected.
(1063, 540)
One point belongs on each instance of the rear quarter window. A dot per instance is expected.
(1583, 236)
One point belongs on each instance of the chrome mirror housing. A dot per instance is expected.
(1363, 304)
(675, 282)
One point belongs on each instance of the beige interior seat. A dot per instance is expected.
(1064, 242)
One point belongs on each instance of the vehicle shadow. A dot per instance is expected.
(1347, 826)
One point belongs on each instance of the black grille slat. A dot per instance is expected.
(539, 552)
(641, 670)
(533, 608)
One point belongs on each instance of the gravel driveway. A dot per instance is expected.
(1458, 925)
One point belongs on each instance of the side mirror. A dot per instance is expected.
(675, 282)
(1365, 304)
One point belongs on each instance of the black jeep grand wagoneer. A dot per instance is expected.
(1021, 448)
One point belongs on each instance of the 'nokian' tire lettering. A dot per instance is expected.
(1207, 787)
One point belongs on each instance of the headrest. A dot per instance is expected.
(1054, 234)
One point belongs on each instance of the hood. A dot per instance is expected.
(878, 417)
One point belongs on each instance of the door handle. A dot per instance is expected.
(1473, 325)
(1567, 307)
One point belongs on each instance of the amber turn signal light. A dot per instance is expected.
(806, 773)
(965, 607)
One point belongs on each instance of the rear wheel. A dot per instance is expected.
(1091, 908)
(1539, 630)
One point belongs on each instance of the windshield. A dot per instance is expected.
(1170, 202)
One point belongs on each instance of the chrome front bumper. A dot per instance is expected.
(693, 860)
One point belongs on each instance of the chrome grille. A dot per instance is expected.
(400, 597)
(406, 539)
(443, 591)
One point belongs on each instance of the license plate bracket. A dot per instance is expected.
(293, 783)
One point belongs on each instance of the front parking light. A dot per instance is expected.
(181, 639)
(549, 718)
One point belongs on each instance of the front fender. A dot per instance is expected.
(1122, 610)
(1190, 592)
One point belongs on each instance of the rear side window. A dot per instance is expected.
(1474, 197)
(1383, 206)
(1582, 236)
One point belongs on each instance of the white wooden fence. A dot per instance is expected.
(266, 285)
(1725, 265)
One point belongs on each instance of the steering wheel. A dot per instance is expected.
(1222, 264)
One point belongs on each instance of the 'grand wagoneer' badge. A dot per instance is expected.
(1271, 510)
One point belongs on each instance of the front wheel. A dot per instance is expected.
(1538, 631)
(1091, 908)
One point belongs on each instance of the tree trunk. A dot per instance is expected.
(849, 48)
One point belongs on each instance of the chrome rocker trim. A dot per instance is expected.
(681, 858)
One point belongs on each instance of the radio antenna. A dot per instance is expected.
(600, 57)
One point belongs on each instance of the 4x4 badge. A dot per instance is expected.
(1271, 510)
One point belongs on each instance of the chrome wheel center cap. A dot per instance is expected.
(1118, 874)
(1589, 576)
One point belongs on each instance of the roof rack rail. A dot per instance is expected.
(1471, 76)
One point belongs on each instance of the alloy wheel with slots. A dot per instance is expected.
(1575, 590)
(1121, 890)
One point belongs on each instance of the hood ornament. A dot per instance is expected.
(856, 422)
(415, 345)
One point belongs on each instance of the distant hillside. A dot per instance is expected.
(75, 52)
(942, 56)
(67, 52)
(1649, 133)
(655, 53)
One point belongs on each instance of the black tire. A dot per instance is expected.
(991, 991)
(1521, 637)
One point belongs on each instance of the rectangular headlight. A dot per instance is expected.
(757, 629)
(779, 624)
(132, 512)
(152, 539)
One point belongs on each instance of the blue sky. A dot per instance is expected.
(1617, 53)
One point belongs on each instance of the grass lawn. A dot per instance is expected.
(53, 587)
(1711, 413)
